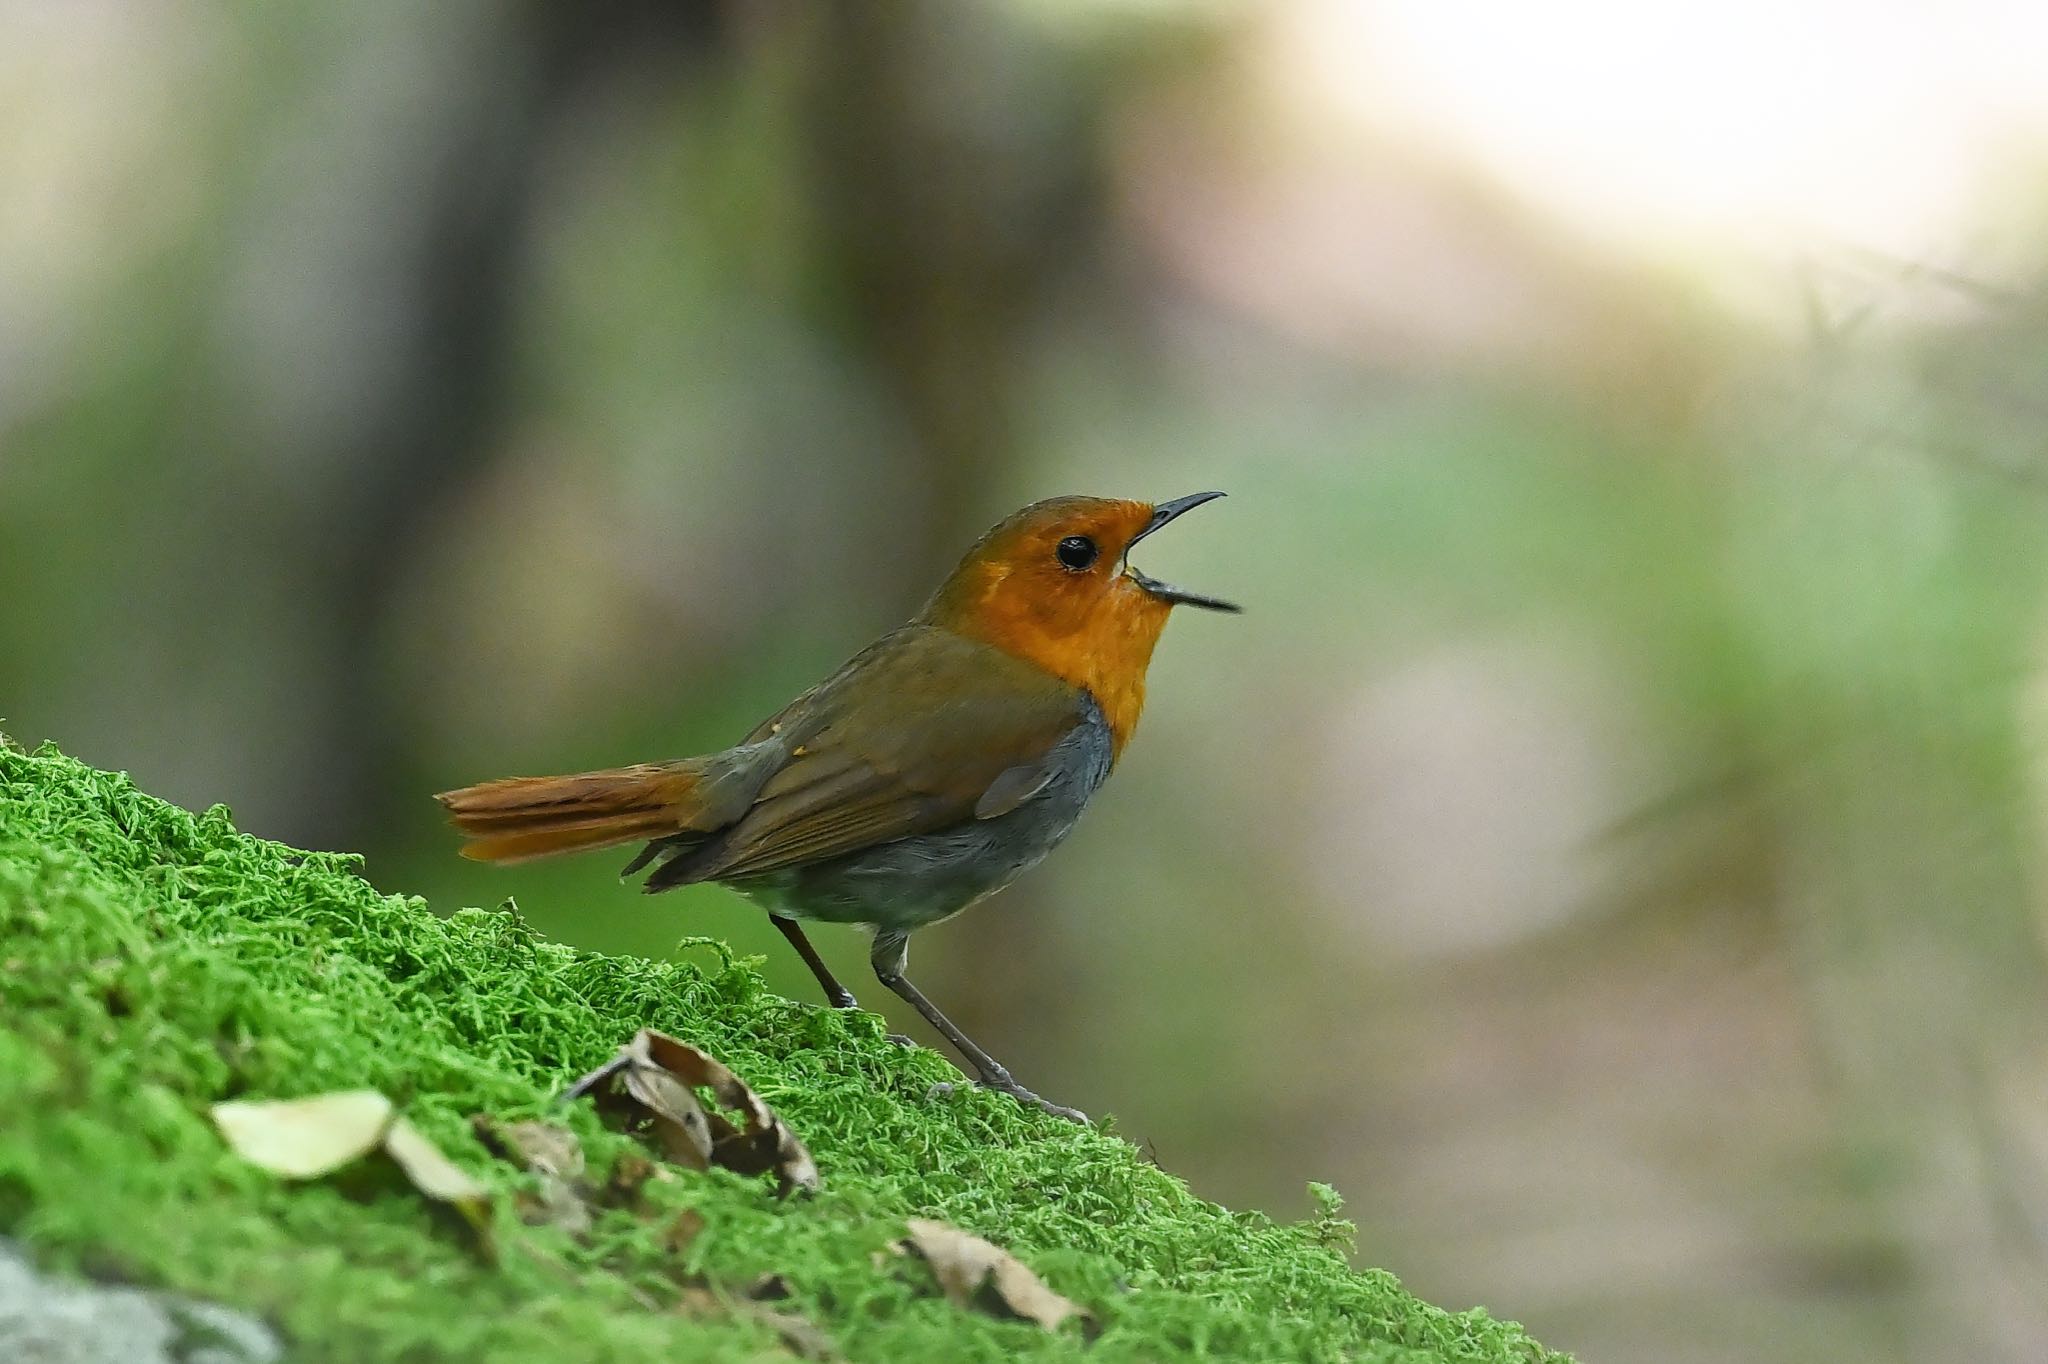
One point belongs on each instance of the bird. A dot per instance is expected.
(928, 772)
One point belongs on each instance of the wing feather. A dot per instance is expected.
(868, 764)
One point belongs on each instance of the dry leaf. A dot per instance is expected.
(436, 1176)
(698, 1301)
(802, 1338)
(974, 1272)
(305, 1138)
(661, 1076)
(542, 1147)
(769, 1287)
(432, 1173)
(684, 1228)
(679, 1119)
(632, 1088)
(554, 1157)
(630, 1172)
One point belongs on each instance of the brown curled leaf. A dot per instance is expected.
(799, 1335)
(683, 1229)
(655, 1078)
(552, 1155)
(977, 1273)
(634, 1089)
(631, 1173)
(542, 1148)
(770, 1287)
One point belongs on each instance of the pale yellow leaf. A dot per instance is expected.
(305, 1138)
(432, 1173)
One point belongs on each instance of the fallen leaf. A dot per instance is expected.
(679, 1119)
(974, 1272)
(305, 1138)
(630, 1173)
(684, 1228)
(698, 1301)
(542, 1147)
(632, 1089)
(802, 1337)
(554, 1157)
(769, 1287)
(660, 1076)
(438, 1177)
(431, 1172)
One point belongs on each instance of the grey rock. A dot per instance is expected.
(47, 1320)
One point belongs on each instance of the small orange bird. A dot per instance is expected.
(940, 762)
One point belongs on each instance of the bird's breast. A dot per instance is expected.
(923, 878)
(1105, 656)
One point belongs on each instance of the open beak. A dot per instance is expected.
(1161, 514)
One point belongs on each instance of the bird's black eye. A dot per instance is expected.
(1077, 552)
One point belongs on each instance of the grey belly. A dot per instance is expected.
(910, 882)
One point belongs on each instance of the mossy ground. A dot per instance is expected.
(153, 961)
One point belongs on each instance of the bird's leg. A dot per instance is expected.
(837, 995)
(891, 953)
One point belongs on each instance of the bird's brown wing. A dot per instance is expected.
(907, 738)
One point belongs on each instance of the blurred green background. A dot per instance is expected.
(1611, 845)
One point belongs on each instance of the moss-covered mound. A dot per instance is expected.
(153, 962)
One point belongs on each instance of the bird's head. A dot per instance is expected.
(1051, 584)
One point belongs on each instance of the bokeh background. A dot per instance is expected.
(1610, 847)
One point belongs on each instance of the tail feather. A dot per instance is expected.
(516, 819)
(506, 849)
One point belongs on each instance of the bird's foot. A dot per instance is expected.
(899, 1039)
(1001, 1082)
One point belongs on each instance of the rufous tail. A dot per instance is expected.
(516, 819)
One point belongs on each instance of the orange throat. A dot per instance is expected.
(1105, 652)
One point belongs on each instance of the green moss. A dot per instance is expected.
(156, 961)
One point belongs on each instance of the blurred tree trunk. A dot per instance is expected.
(418, 442)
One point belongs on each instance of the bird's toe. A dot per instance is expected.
(1022, 1095)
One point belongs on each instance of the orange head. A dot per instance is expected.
(1050, 585)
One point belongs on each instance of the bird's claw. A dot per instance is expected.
(1005, 1085)
(1073, 1115)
